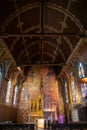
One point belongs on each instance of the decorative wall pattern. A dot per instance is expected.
(39, 95)
(61, 101)
(50, 90)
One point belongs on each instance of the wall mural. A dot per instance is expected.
(38, 95)
(50, 90)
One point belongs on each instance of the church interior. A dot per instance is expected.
(43, 61)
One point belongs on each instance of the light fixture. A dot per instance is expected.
(19, 68)
(83, 73)
(83, 80)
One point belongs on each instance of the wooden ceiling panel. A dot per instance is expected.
(74, 40)
(17, 49)
(45, 31)
(22, 3)
(62, 3)
(33, 49)
(83, 48)
(47, 58)
(79, 9)
(30, 18)
(50, 19)
(24, 60)
(48, 48)
(64, 46)
(6, 8)
(74, 28)
(36, 58)
(50, 40)
(12, 27)
(9, 42)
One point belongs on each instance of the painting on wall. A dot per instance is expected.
(42, 89)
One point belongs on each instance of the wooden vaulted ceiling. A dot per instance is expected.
(42, 31)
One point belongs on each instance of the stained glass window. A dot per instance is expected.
(8, 92)
(15, 95)
(73, 88)
(81, 70)
(0, 74)
(66, 92)
(84, 89)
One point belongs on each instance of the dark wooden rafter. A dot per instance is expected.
(44, 64)
(42, 18)
(7, 35)
(41, 29)
(75, 49)
(21, 29)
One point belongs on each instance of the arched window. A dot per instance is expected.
(8, 95)
(81, 70)
(84, 89)
(66, 91)
(15, 95)
(73, 87)
(0, 74)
